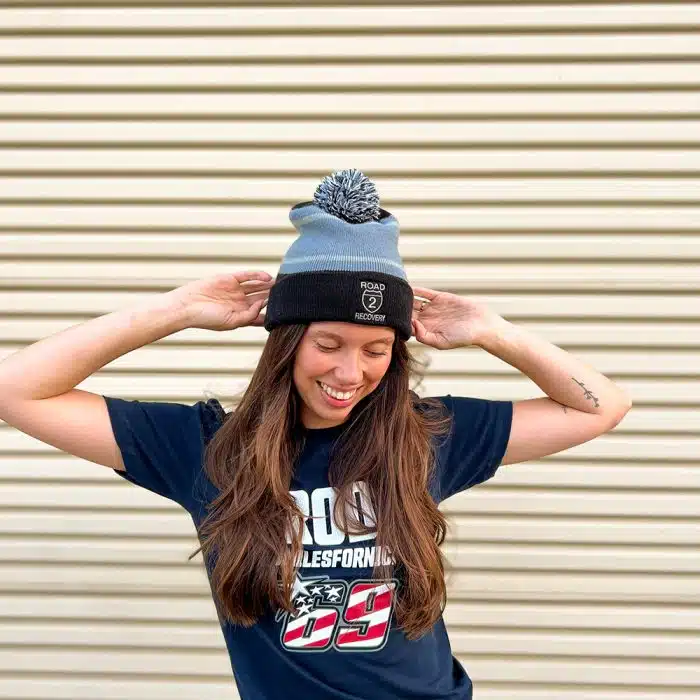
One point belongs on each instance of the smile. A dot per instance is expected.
(339, 395)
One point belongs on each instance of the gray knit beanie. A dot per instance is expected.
(345, 264)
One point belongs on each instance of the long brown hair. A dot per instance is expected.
(251, 459)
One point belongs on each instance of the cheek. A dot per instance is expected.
(376, 372)
(310, 365)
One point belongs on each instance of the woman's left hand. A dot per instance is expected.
(448, 321)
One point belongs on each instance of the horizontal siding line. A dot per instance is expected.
(71, 675)
(603, 605)
(138, 287)
(462, 16)
(450, 514)
(505, 690)
(455, 115)
(330, 88)
(178, 343)
(495, 30)
(201, 650)
(203, 624)
(554, 462)
(269, 202)
(557, 489)
(159, 621)
(126, 538)
(194, 596)
(204, 650)
(315, 3)
(375, 145)
(224, 259)
(255, 260)
(69, 318)
(345, 60)
(264, 118)
(377, 172)
(494, 486)
(664, 692)
(503, 657)
(551, 572)
(452, 543)
(190, 565)
(538, 544)
(174, 509)
(232, 373)
(506, 629)
(552, 515)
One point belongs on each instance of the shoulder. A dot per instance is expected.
(212, 416)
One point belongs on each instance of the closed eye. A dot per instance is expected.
(326, 349)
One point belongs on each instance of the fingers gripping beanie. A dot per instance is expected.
(345, 264)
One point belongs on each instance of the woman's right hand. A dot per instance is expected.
(224, 302)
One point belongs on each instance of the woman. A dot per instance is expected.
(316, 499)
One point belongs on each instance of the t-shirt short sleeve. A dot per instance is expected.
(162, 445)
(476, 443)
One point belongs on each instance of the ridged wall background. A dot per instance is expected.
(544, 158)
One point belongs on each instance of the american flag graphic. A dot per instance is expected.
(350, 617)
(369, 608)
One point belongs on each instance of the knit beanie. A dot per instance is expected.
(345, 264)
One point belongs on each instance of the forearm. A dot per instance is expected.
(57, 363)
(563, 377)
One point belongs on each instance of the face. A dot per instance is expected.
(345, 357)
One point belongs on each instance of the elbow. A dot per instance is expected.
(621, 409)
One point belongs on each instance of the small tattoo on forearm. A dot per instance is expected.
(587, 393)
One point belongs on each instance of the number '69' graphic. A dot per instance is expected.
(358, 620)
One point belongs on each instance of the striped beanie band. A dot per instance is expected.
(345, 263)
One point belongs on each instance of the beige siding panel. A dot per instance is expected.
(568, 275)
(358, 104)
(542, 158)
(446, 75)
(460, 361)
(71, 686)
(555, 471)
(576, 308)
(525, 246)
(271, 19)
(402, 161)
(577, 44)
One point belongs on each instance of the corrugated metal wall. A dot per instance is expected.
(544, 158)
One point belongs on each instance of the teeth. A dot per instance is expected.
(337, 394)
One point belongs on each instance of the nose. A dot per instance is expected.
(350, 370)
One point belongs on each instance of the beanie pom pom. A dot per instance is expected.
(350, 195)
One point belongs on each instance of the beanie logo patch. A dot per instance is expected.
(372, 297)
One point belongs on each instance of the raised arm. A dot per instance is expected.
(37, 383)
(581, 403)
(37, 393)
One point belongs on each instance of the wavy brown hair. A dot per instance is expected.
(251, 458)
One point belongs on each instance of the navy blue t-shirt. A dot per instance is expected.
(343, 643)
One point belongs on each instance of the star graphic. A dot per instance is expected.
(317, 590)
(333, 592)
(300, 589)
(301, 585)
(303, 609)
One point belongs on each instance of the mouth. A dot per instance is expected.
(333, 401)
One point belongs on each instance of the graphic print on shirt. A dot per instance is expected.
(321, 530)
(348, 616)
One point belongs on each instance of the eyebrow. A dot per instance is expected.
(386, 339)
